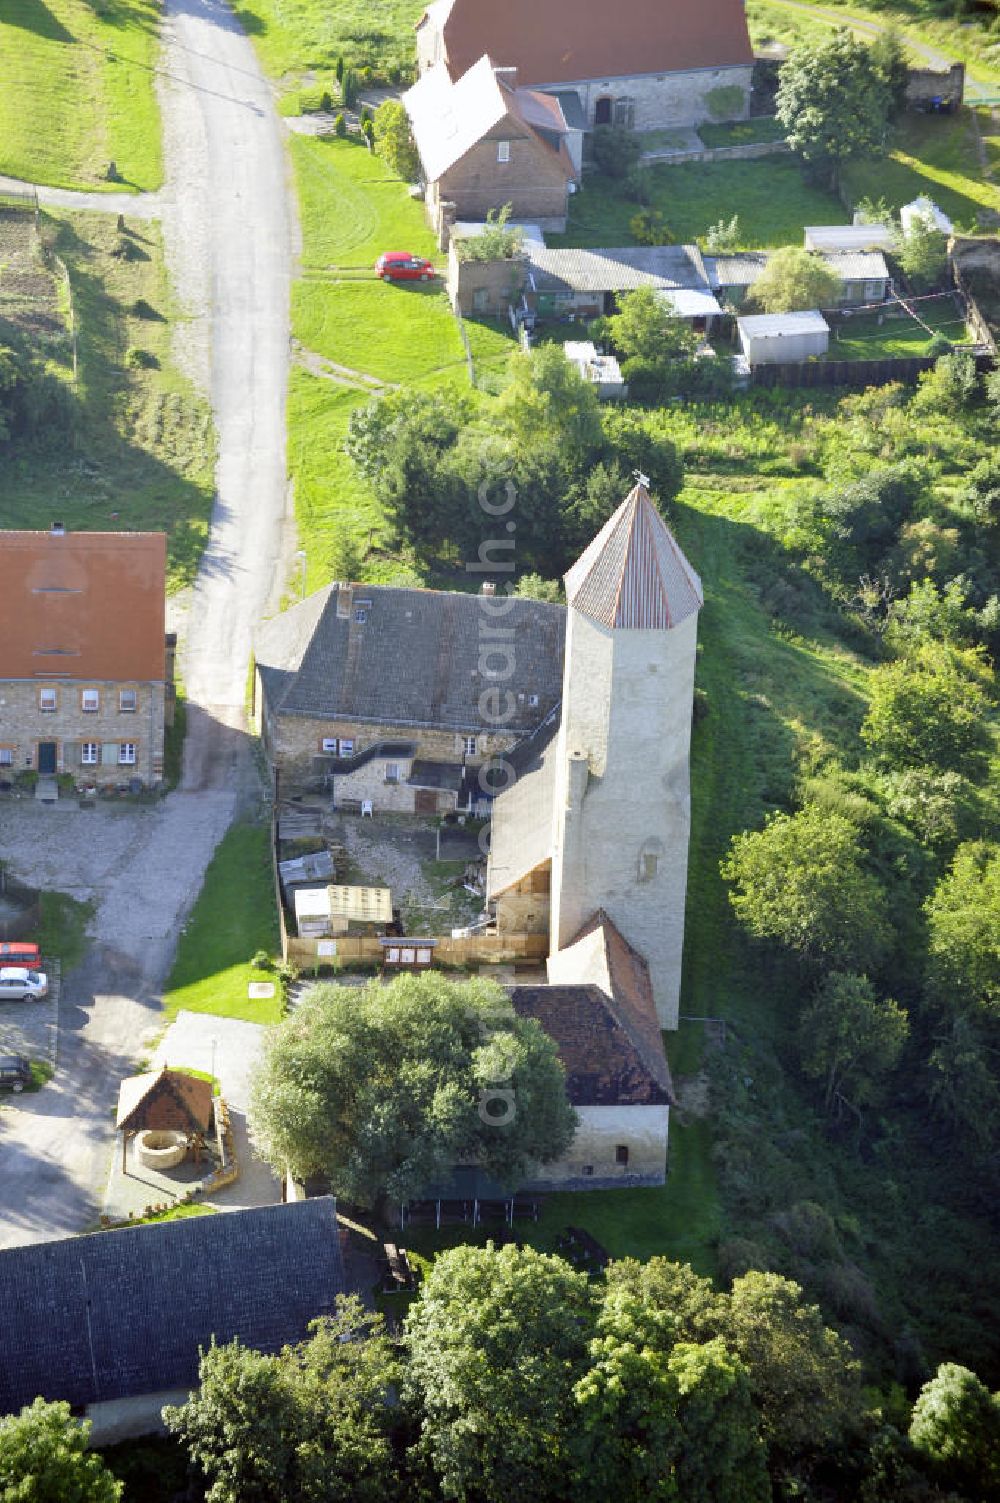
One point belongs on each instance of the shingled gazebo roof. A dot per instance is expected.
(153, 1100)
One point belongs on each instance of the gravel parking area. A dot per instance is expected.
(31, 1028)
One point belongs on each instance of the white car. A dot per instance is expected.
(17, 984)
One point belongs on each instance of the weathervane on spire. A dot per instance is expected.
(641, 479)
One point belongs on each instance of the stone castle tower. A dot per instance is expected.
(621, 809)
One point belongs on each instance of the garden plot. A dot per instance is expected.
(32, 299)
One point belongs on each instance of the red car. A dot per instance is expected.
(400, 266)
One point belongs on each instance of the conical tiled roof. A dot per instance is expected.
(634, 574)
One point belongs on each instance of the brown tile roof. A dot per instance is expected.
(565, 41)
(603, 1066)
(634, 574)
(82, 605)
(170, 1092)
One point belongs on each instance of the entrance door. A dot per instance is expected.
(602, 111)
(425, 801)
(46, 757)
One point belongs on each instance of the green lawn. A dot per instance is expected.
(139, 449)
(397, 332)
(63, 930)
(232, 919)
(742, 132)
(936, 155)
(76, 92)
(351, 207)
(770, 197)
(296, 37)
(863, 338)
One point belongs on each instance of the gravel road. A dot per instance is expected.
(227, 233)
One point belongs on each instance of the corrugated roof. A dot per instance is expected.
(569, 41)
(617, 269)
(743, 269)
(634, 575)
(413, 657)
(776, 324)
(122, 1313)
(857, 265)
(835, 237)
(738, 270)
(83, 605)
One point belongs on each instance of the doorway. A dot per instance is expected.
(602, 111)
(46, 758)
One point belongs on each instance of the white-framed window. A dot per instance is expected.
(126, 754)
(503, 151)
(127, 701)
(48, 699)
(392, 772)
(469, 746)
(90, 700)
(347, 746)
(533, 701)
(361, 615)
(329, 744)
(90, 753)
(6, 756)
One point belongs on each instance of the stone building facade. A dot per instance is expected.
(83, 655)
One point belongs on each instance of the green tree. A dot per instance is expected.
(498, 240)
(384, 1091)
(931, 614)
(956, 1428)
(44, 1459)
(794, 280)
(926, 710)
(849, 1037)
(801, 880)
(724, 237)
(310, 1423)
(616, 151)
(534, 587)
(497, 1341)
(923, 255)
(832, 103)
(549, 404)
(963, 932)
(963, 1086)
(393, 140)
(803, 1378)
(983, 491)
(951, 387)
(655, 345)
(892, 66)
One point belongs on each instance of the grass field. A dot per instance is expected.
(140, 450)
(63, 930)
(402, 332)
(76, 92)
(936, 155)
(351, 207)
(232, 919)
(864, 338)
(770, 197)
(742, 132)
(296, 37)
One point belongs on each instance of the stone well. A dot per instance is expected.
(161, 1150)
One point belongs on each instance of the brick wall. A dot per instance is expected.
(24, 726)
(485, 287)
(533, 180)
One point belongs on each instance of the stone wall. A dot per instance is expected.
(745, 153)
(924, 85)
(485, 288)
(394, 797)
(602, 1130)
(23, 726)
(664, 99)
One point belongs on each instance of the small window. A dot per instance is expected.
(48, 699)
(329, 744)
(6, 756)
(649, 867)
(533, 701)
(392, 772)
(503, 151)
(481, 300)
(361, 615)
(588, 1169)
(621, 1154)
(126, 754)
(469, 746)
(89, 753)
(90, 700)
(347, 746)
(127, 701)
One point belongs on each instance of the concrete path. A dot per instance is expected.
(226, 229)
(134, 205)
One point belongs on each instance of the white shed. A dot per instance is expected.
(603, 370)
(924, 211)
(848, 237)
(769, 338)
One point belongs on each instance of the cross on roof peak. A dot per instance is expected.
(641, 479)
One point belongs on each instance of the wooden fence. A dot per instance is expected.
(365, 950)
(809, 373)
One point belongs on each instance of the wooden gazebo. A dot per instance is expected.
(164, 1101)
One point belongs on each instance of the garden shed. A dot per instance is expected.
(772, 338)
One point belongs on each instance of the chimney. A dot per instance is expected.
(58, 530)
(345, 600)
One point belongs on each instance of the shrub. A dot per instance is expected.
(498, 241)
(144, 360)
(615, 150)
(648, 228)
(723, 236)
(340, 126)
(725, 101)
(349, 89)
(326, 101)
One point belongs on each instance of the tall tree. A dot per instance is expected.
(927, 710)
(496, 1341)
(849, 1037)
(956, 1428)
(651, 340)
(801, 880)
(310, 1423)
(44, 1459)
(794, 280)
(833, 103)
(384, 1091)
(548, 402)
(393, 140)
(963, 921)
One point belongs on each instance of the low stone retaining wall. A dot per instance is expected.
(744, 153)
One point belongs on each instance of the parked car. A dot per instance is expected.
(17, 983)
(15, 1073)
(20, 952)
(400, 266)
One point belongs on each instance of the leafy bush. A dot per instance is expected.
(498, 240)
(141, 360)
(615, 150)
(648, 228)
(725, 102)
(340, 126)
(723, 236)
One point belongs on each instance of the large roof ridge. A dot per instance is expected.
(634, 573)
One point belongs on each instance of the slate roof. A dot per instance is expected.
(122, 1313)
(743, 268)
(521, 824)
(617, 269)
(413, 661)
(633, 574)
(603, 1066)
(569, 41)
(190, 1099)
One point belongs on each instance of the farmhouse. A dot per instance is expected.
(114, 1323)
(640, 64)
(83, 655)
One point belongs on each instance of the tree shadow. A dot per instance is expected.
(33, 16)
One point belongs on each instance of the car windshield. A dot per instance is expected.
(33, 976)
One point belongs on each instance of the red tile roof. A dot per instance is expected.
(634, 574)
(82, 605)
(603, 1066)
(565, 41)
(631, 992)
